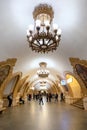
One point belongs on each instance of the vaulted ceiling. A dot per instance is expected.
(16, 15)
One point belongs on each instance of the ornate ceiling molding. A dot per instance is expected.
(75, 61)
(10, 62)
(43, 8)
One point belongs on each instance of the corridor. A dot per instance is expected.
(43, 53)
(50, 116)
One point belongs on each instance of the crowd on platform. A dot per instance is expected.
(49, 97)
(39, 97)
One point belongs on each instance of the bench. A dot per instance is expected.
(2, 109)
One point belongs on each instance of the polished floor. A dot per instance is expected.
(50, 116)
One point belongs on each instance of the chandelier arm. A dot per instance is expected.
(52, 44)
(35, 45)
(38, 42)
(48, 41)
(43, 41)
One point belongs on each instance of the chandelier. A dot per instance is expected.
(43, 72)
(43, 36)
(43, 83)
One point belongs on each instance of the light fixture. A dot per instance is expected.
(43, 83)
(43, 88)
(32, 88)
(63, 82)
(70, 80)
(43, 72)
(43, 36)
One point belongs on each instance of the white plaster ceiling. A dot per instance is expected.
(16, 15)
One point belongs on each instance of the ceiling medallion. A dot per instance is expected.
(43, 36)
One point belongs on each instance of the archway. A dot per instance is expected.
(9, 88)
(73, 84)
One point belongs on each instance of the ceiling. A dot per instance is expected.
(16, 15)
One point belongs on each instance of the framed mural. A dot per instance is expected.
(82, 72)
(4, 72)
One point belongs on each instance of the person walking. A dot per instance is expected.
(41, 99)
(9, 97)
(47, 97)
(56, 97)
(62, 99)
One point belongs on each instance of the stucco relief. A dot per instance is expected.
(4, 72)
(6, 69)
(82, 72)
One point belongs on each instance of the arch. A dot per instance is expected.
(22, 84)
(17, 90)
(77, 61)
(54, 86)
(6, 68)
(13, 77)
(51, 82)
(9, 88)
(75, 90)
(19, 75)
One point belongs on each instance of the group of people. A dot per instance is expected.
(49, 97)
(10, 99)
(56, 97)
(38, 97)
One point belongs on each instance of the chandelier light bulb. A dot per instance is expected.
(57, 38)
(46, 42)
(35, 42)
(30, 38)
(55, 26)
(28, 33)
(31, 27)
(38, 23)
(59, 31)
(47, 23)
(41, 42)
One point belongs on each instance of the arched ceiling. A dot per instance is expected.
(16, 15)
(34, 79)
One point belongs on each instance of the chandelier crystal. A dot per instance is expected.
(44, 35)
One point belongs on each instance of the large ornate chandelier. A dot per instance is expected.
(43, 36)
(43, 72)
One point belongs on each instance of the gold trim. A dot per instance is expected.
(8, 62)
(43, 9)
